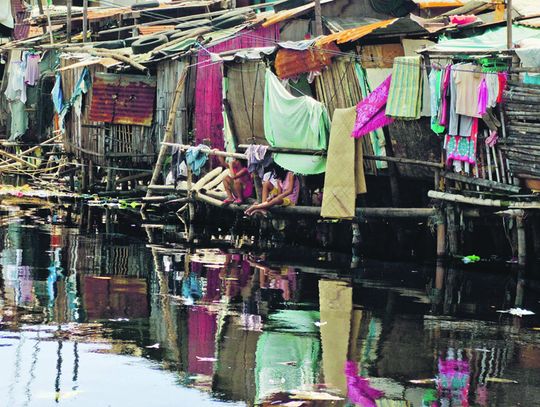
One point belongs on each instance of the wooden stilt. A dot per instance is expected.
(441, 239)
(84, 176)
(452, 230)
(91, 175)
(521, 241)
(356, 244)
(111, 175)
(169, 130)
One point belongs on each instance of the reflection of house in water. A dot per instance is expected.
(111, 274)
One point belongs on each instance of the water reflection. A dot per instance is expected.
(78, 309)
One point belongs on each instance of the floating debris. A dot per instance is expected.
(519, 312)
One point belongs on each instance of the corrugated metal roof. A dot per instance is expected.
(123, 99)
(354, 34)
(290, 63)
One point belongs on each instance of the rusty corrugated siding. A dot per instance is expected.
(290, 63)
(123, 99)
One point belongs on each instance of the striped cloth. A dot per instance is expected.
(405, 94)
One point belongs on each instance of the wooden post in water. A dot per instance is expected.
(521, 239)
(91, 174)
(84, 176)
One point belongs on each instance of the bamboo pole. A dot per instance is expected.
(169, 130)
(17, 159)
(208, 150)
(107, 54)
(85, 21)
(521, 241)
(68, 20)
(497, 186)
(445, 196)
(411, 213)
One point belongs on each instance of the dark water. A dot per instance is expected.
(89, 318)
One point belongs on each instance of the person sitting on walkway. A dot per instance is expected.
(283, 191)
(238, 184)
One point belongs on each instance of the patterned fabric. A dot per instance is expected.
(462, 148)
(405, 94)
(370, 111)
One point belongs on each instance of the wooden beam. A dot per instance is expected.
(445, 196)
(498, 186)
(381, 213)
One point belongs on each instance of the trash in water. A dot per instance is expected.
(519, 312)
(154, 346)
(472, 258)
(499, 380)
(320, 323)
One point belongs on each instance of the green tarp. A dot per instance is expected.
(294, 122)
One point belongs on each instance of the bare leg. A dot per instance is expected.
(267, 188)
(264, 205)
(238, 189)
(227, 184)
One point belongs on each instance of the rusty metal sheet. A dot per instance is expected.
(123, 99)
(354, 34)
(290, 63)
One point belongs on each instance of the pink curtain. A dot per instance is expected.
(208, 89)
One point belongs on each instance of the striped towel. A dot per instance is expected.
(405, 94)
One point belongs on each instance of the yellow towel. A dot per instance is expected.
(344, 177)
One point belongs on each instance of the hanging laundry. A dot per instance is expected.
(468, 78)
(196, 157)
(6, 15)
(503, 79)
(492, 83)
(19, 120)
(445, 89)
(435, 79)
(82, 87)
(378, 142)
(295, 122)
(462, 148)
(31, 74)
(405, 94)
(57, 94)
(482, 97)
(258, 158)
(16, 88)
(344, 178)
(370, 111)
